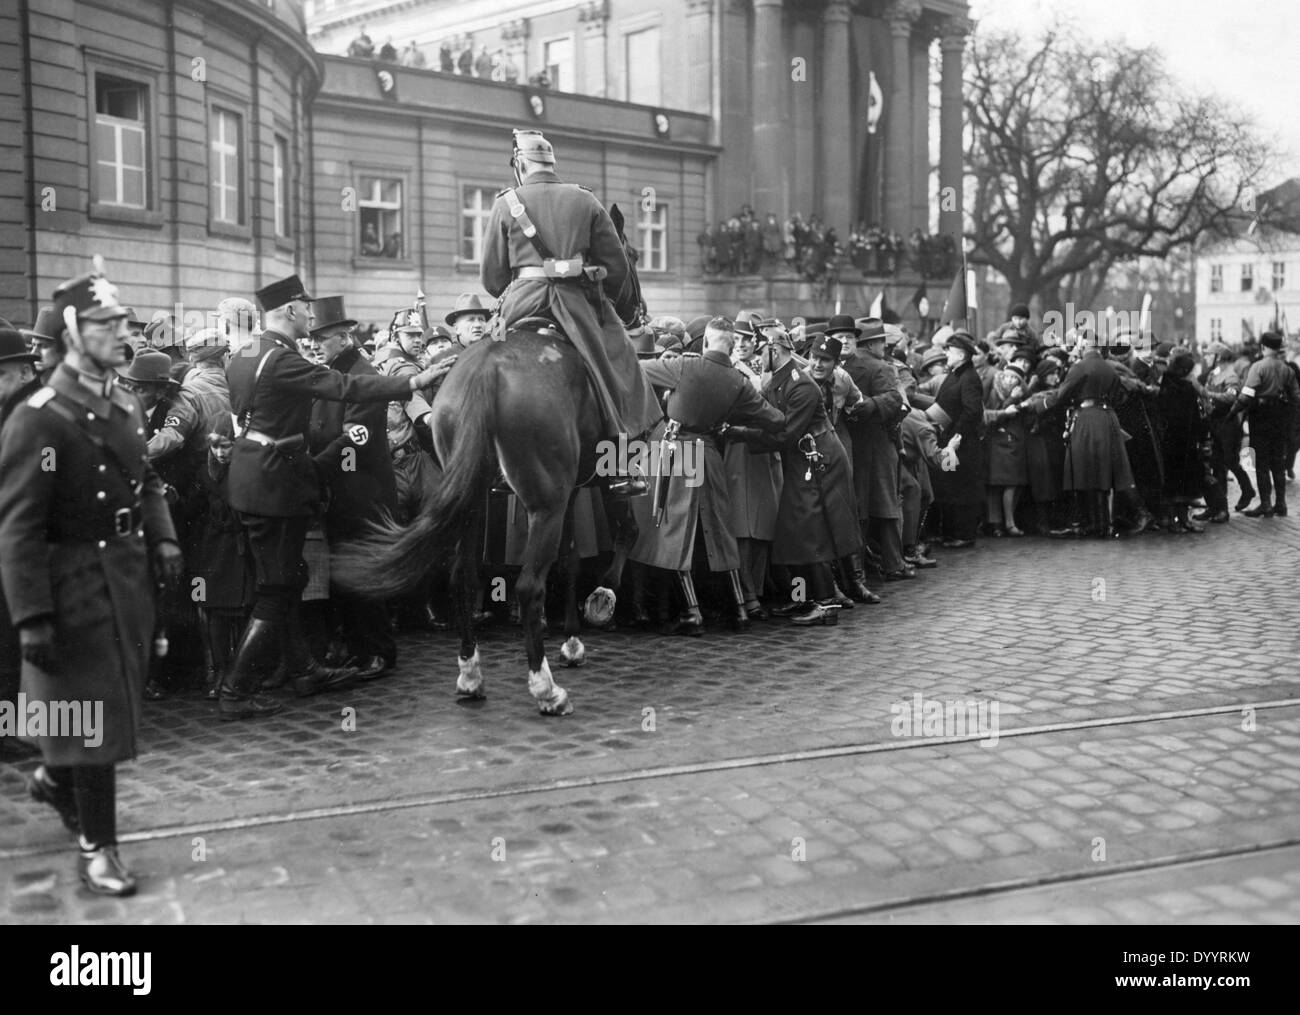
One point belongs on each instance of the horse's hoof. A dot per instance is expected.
(556, 708)
(478, 694)
(573, 652)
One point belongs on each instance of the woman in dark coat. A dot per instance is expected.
(1045, 449)
(1008, 463)
(1183, 434)
(960, 493)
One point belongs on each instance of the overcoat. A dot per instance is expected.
(961, 396)
(80, 507)
(872, 429)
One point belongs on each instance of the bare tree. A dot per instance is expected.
(1085, 156)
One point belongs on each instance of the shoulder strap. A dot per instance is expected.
(252, 395)
(520, 215)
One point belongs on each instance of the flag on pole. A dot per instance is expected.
(875, 103)
(921, 302)
(1247, 332)
(1277, 317)
(878, 306)
(954, 307)
(972, 290)
(1144, 318)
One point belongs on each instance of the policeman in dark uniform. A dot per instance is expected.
(817, 521)
(551, 250)
(347, 441)
(707, 394)
(274, 486)
(84, 535)
(1268, 396)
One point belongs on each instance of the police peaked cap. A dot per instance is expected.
(277, 294)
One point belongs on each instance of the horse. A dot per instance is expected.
(498, 405)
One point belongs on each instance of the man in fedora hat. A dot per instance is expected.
(873, 423)
(347, 441)
(468, 318)
(550, 248)
(84, 536)
(45, 339)
(275, 487)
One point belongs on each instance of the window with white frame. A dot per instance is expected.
(121, 142)
(1279, 275)
(379, 204)
(1247, 278)
(642, 62)
(1216, 278)
(227, 167)
(475, 210)
(281, 176)
(557, 59)
(652, 228)
(1216, 329)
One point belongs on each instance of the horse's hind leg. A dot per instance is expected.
(573, 652)
(466, 594)
(544, 531)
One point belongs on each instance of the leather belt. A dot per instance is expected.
(258, 437)
(1094, 403)
(574, 271)
(120, 524)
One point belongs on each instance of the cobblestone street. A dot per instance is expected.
(1146, 767)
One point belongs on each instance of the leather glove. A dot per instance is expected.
(36, 639)
(167, 562)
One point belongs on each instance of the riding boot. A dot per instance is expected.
(257, 650)
(1142, 518)
(855, 574)
(692, 621)
(303, 671)
(739, 618)
(1107, 530)
(837, 594)
(1074, 527)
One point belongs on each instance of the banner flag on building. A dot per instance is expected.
(878, 306)
(1247, 332)
(954, 307)
(875, 103)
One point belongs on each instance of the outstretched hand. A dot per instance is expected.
(431, 373)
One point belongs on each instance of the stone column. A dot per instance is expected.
(836, 134)
(952, 42)
(699, 56)
(901, 15)
(921, 125)
(734, 169)
(771, 82)
(594, 17)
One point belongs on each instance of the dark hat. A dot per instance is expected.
(1016, 369)
(668, 342)
(150, 366)
(277, 294)
(817, 328)
(466, 303)
(439, 331)
(133, 319)
(783, 338)
(695, 330)
(1009, 335)
(48, 327)
(828, 347)
(644, 344)
(1019, 310)
(14, 347)
(1164, 349)
(962, 339)
(842, 322)
(872, 331)
(532, 145)
(330, 313)
(1058, 353)
(1049, 365)
(90, 296)
(1271, 339)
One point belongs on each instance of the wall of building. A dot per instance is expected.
(1231, 306)
(190, 57)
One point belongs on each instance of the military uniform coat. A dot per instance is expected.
(753, 482)
(573, 225)
(875, 453)
(817, 521)
(70, 458)
(1095, 458)
(347, 439)
(283, 482)
(706, 390)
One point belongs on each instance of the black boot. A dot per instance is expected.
(692, 621)
(855, 572)
(1142, 518)
(257, 650)
(640, 615)
(837, 595)
(738, 619)
(308, 676)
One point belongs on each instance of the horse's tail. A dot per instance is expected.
(391, 559)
